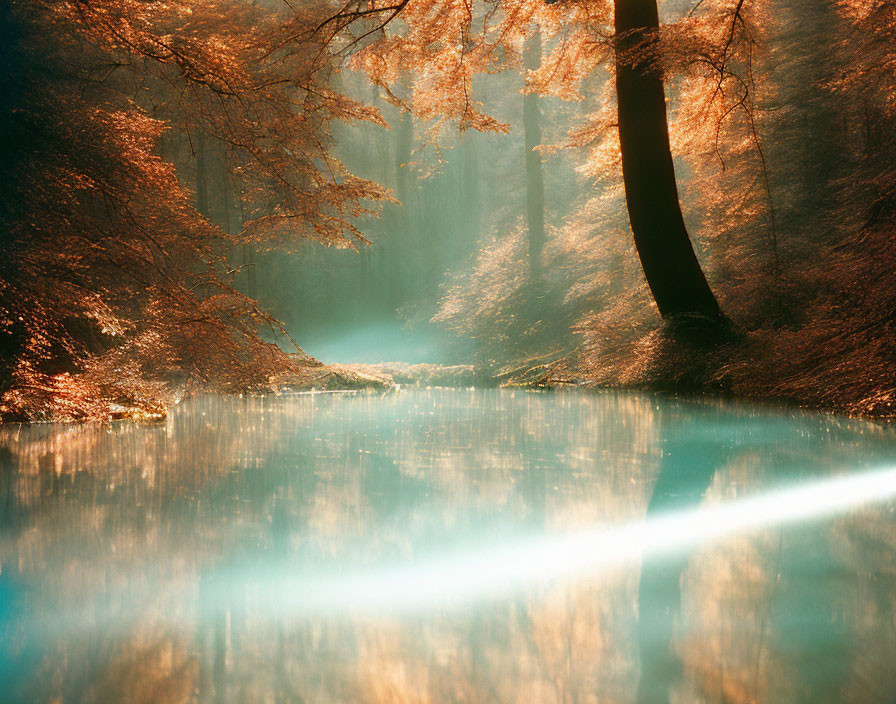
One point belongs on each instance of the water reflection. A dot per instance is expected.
(686, 469)
(176, 562)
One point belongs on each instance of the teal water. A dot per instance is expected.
(450, 546)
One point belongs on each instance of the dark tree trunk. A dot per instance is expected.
(534, 171)
(667, 256)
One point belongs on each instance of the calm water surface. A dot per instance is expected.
(450, 546)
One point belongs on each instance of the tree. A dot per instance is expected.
(673, 273)
(534, 171)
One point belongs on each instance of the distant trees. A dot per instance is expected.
(808, 291)
(534, 171)
(670, 266)
(667, 256)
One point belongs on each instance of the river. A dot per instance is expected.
(450, 545)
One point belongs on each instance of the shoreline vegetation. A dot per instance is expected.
(549, 372)
(540, 373)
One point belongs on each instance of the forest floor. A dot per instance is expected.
(726, 373)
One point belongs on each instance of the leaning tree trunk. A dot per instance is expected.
(667, 257)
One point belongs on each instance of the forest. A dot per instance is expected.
(462, 351)
(698, 197)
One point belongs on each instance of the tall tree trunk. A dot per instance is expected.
(233, 224)
(819, 145)
(202, 174)
(667, 256)
(534, 172)
(249, 264)
(470, 194)
(400, 241)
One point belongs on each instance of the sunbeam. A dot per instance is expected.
(462, 576)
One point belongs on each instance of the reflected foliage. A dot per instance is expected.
(135, 559)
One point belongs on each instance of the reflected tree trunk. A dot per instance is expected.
(684, 477)
(212, 683)
(667, 256)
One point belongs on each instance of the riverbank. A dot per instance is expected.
(780, 369)
(69, 398)
(666, 366)
(680, 370)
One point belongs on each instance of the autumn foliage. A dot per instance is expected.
(116, 287)
(149, 144)
(780, 113)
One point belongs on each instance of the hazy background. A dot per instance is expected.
(458, 193)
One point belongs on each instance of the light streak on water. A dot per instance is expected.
(462, 576)
(502, 569)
